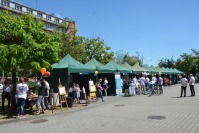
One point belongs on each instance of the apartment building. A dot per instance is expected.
(51, 21)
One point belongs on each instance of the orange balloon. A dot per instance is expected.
(43, 71)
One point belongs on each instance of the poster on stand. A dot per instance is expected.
(118, 84)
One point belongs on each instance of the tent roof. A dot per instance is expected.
(177, 71)
(137, 69)
(126, 65)
(154, 71)
(72, 65)
(117, 68)
(94, 64)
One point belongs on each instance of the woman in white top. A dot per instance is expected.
(78, 92)
(21, 93)
(7, 89)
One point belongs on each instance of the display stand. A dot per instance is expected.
(92, 91)
(62, 94)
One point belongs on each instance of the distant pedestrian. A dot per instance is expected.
(160, 83)
(184, 83)
(105, 86)
(78, 92)
(142, 84)
(191, 84)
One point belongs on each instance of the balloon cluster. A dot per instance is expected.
(45, 73)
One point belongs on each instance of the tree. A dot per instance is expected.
(166, 63)
(75, 47)
(121, 56)
(188, 62)
(25, 45)
(131, 60)
(95, 48)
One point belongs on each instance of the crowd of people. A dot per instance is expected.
(25, 96)
(101, 88)
(185, 82)
(142, 85)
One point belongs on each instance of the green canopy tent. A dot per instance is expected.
(137, 69)
(177, 71)
(117, 68)
(63, 69)
(153, 71)
(116, 88)
(72, 65)
(97, 66)
(126, 65)
(166, 71)
(170, 70)
(157, 69)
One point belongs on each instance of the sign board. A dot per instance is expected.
(62, 90)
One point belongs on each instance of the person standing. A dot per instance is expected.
(147, 80)
(160, 83)
(191, 84)
(184, 83)
(105, 85)
(78, 92)
(47, 93)
(6, 94)
(41, 96)
(142, 84)
(21, 94)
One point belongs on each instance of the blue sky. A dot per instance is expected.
(155, 28)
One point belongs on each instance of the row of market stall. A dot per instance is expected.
(70, 70)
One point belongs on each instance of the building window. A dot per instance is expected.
(56, 20)
(5, 3)
(18, 7)
(39, 14)
(48, 17)
(29, 11)
(47, 25)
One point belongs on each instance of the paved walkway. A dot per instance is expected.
(165, 113)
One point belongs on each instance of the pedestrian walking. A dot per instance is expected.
(105, 86)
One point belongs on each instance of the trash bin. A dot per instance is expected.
(70, 102)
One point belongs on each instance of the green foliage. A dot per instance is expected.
(122, 57)
(188, 63)
(166, 63)
(95, 48)
(25, 44)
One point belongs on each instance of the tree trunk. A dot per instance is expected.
(13, 102)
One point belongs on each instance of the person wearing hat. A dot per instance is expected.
(191, 84)
(184, 83)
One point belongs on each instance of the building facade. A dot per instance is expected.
(51, 21)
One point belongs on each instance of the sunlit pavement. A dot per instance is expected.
(167, 113)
